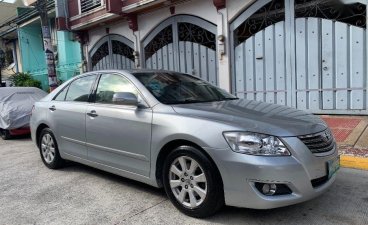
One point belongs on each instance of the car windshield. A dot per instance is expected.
(177, 88)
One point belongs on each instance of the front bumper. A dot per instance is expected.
(240, 172)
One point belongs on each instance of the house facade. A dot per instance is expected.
(9, 41)
(23, 31)
(307, 54)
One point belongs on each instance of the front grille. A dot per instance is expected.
(319, 143)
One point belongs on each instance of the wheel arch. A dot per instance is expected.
(170, 146)
(38, 131)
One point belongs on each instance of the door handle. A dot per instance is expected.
(52, 108)
(92, 113)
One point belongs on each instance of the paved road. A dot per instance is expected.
(32, 194)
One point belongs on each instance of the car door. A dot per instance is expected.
(118, 136)
(67, 113)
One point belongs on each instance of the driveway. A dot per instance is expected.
(32, 194)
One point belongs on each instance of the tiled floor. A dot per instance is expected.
(351, 133)
(342, 127)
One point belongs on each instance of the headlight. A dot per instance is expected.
(256, 144)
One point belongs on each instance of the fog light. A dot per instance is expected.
(269, 189)
(272, 189)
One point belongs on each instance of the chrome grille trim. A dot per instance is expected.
(319, 143)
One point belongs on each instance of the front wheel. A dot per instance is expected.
(49, 150)
(192, 182)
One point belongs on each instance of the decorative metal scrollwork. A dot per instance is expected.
(120, 48)
(273, 12)
(269, 14)
(162, 39)
(354, 14)
(193, 33)
(101, 53)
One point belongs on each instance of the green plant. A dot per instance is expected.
(24, 80)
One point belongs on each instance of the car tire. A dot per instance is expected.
(195, 192)
(49, 150)
(5, 134)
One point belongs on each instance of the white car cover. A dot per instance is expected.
(16, 105)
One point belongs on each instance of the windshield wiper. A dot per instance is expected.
(224, 99)
(191, 101)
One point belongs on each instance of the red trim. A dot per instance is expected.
(132, 21)
(219, 4)
(172, 10)
(73, 8)
(20, 131)
(88, 17)
(114, 6)
(61, 23)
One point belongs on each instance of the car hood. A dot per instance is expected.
(256, 117)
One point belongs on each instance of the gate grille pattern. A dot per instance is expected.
(327, 69)
(196, 34)
(353, 14)
(100, 55)
(267, 15)
(162, 39)
(330, 65)
(260, 66)
(112, 52)
(185, 44)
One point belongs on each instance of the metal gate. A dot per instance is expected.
(308, 54)
(112, 52)
(185, 44)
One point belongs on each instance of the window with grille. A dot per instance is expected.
(88, 5)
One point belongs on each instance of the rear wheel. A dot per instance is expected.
(5, 134)
(192, 182)
(49, 150)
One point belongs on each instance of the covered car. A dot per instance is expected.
(15, 109)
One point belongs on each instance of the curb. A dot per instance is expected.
(354, 162)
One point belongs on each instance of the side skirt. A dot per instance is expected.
(111, 169)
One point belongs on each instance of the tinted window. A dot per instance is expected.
(110, 84)
(80, 89)
(176, 88)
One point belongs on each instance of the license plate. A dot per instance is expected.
(333, 166)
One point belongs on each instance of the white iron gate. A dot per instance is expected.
(185, 44)
(307, 54)
(112, 52)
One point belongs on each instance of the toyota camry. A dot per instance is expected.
(204, 146)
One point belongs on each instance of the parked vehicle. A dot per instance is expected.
(206, 147)
(15, 109)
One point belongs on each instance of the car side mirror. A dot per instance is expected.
(125, 98)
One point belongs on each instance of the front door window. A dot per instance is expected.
(109, 85)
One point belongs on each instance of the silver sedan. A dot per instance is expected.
(206, 147)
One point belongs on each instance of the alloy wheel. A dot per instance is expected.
(48, 148)
(188, 182)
